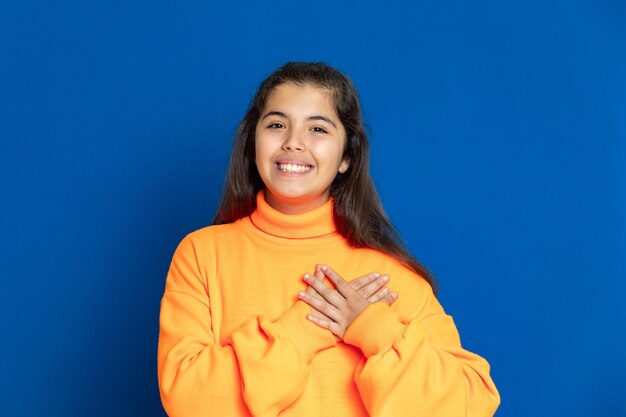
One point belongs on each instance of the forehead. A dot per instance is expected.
(301, 98)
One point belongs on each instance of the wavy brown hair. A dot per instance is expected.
(358, 213)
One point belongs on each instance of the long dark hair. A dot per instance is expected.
(358, 213)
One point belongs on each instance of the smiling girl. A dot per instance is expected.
(301, 299)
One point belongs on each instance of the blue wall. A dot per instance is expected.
(499, 148)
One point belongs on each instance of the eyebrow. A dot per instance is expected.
(315, 117)
(323, 118)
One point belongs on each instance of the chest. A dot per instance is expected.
(254, 280)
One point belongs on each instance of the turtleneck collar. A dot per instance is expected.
(314, 223)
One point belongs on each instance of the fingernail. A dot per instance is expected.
(376, 275)
(324, 267)
(307, 276)
(301, 294)
(385, 278)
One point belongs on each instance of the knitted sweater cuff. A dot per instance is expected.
(375, 330)
(308, 338)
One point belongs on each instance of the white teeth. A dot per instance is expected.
(294, 168)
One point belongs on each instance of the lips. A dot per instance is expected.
(294, 167)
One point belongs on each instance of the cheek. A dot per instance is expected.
(259, 150)
(337, 154)
(257, 153)
(263, 155)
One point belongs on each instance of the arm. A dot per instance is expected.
(419, 365)
(260, 371)
(413, 361)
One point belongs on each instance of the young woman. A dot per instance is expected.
(301, 299)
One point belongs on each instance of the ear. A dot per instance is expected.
(343, 167)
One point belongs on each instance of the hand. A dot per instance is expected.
(370, 286)
(335, 309)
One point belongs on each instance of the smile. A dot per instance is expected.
(294, 167)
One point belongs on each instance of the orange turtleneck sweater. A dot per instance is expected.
(234, 340)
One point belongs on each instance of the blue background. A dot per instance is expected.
(498, 136)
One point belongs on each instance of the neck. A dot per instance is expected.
(313, 223)
(295, 205)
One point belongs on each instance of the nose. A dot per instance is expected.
(294, 141)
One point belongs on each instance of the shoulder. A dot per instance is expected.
(206, 239)
(391, 265)
(415, 292)
(199, 250)
(215, 232)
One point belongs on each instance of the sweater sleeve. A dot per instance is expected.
(261, 370)
(416, 366)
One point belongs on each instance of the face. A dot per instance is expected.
(299, 147)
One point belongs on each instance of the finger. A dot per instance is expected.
(322, 322)
(314, 294)
(315, 312)
(321, 305)
(342, 286)
(319, 275)
(319, 314)
(310, 290)
(327, 324)
(378, 295)
(377, 285)
(389, 299)
(330, 295)
(361, 282)
(394, 296)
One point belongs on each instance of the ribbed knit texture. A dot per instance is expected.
(375, 330)
(315, 223)
(234, 339)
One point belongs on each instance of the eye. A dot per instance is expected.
(276, 125)
(319, 130)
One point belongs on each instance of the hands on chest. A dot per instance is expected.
(336, 308)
